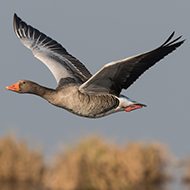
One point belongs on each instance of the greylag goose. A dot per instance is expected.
(78, 91)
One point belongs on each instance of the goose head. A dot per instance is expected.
(23, 86)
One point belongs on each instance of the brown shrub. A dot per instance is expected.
(186, 176)
(94, 164)
(18, 163)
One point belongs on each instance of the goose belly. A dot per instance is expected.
(92, 106)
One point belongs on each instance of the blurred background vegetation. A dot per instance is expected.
(90, 164)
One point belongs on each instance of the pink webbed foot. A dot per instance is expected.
(133, 107)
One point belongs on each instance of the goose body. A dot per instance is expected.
(78, 91)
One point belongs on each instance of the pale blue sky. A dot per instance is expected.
(98, 32)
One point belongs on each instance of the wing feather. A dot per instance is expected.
(115, 76)
(51, 53)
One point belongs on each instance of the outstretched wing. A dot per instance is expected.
(51, 53)
(115, 76)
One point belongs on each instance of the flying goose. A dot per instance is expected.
(78, 91)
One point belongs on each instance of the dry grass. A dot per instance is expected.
(18, 163)
(92, 164)
(186, 176)
(95, 165)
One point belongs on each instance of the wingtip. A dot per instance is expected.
(16, 21)
(171, 35)
(168, 42)
(15, 18)
(15, 15)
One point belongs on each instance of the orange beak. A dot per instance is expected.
(14, 87)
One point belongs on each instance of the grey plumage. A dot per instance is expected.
(78, 91)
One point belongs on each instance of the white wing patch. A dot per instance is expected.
(100, 83)
(53, 65)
